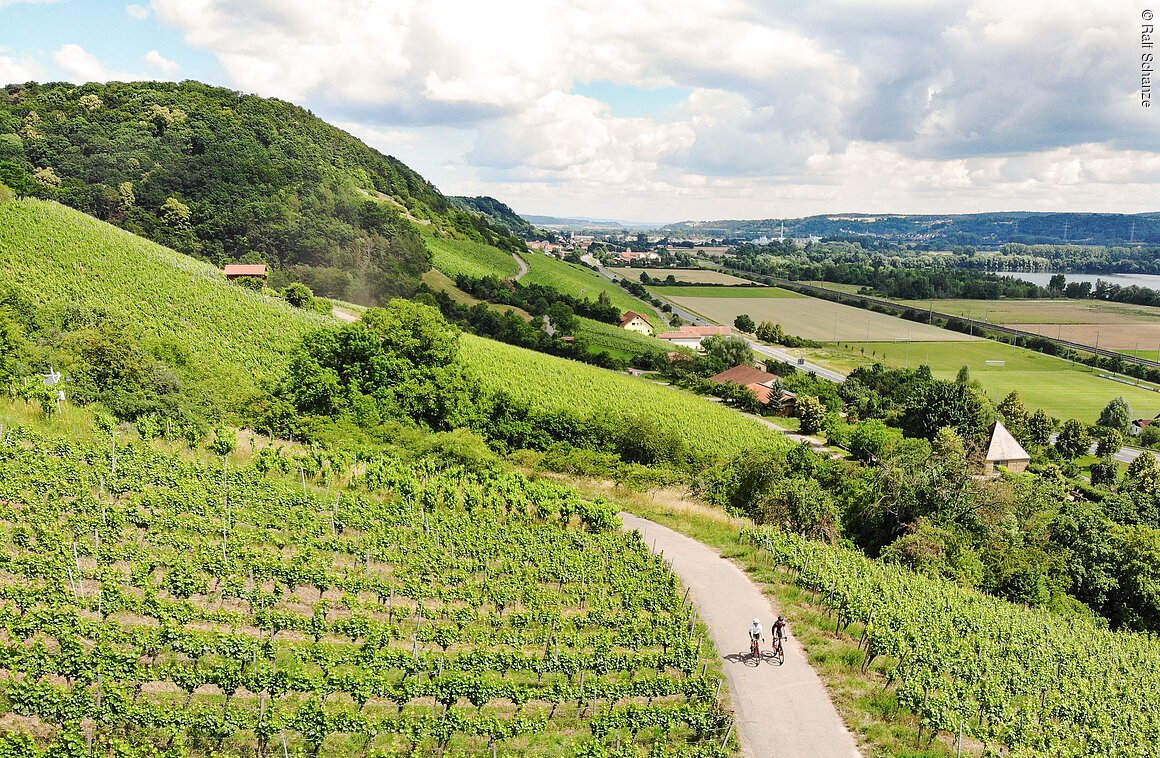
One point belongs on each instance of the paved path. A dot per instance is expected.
(782, 711)
(523, 267)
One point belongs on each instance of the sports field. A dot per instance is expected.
(1063, 389)
(694, 275)
(807, 317)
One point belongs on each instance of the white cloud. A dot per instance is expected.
(898, 105)
(159, 62)
(138, 12)
(14, 70)
(82, 66)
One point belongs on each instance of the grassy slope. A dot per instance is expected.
(579, 281)
(1058, 387)
(552, 383)
(455, 257)
(59, 256)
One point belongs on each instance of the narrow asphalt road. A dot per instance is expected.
(523, 267)
(783, 711)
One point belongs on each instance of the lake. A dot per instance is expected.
(1151, 281)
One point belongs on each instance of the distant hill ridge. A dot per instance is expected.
(226, 176)
(977, 229)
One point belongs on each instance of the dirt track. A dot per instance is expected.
(782, 711)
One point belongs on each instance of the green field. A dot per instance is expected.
(235, 338)
(578, 281)
(558, 384)
(474, 259)
(742, 292)
(620, 343)
(692, 275)
(1063, 389)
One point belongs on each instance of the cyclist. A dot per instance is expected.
(778, 631)
(756, 635)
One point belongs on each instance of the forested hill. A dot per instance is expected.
(499, 213)
(225, 176)
(946, 230)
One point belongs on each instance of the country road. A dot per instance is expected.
(783, 711)
(523, 267)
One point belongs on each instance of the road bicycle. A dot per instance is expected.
(778, 650)
(754, 647)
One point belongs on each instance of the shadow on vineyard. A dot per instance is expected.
(331, 604)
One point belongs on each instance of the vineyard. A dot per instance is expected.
(619, 342)
(556, 384)
(60, 257)
(474, 259)
(578, 281)
(150, 605)
(1030, 682)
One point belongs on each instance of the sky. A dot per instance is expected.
(667, 110)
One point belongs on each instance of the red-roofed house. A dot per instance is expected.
(634, 322)
(238, 270)
(691, 336)
(760, 383)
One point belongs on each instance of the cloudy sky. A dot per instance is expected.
(663, 110)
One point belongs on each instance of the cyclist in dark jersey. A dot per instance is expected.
(778, 631)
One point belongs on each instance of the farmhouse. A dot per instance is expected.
(761, 383)
(1004, 450)
(1139, 424)
(632, 255)
(238, 270)
(634, 322)
(691, 336)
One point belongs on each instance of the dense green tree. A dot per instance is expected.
(1040, 427)
(563, 318)
(1108, 442)
(802, 506)
(1074, 439)
(298, 295)
(1015, 416)
(939, 403)
(964, 375)
(811, 412)
(1117, 414)
(744, 323)
(1105, 472)
(732, 351)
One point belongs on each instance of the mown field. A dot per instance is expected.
(1063, 389)
(694, 275)
(152, 605)
(723, 292)
(802, 316)
(557, 384)
(582, 282)
(474, 259)
(234, 338)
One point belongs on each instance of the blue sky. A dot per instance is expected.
(650, 109)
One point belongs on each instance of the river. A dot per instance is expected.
(1151, 281)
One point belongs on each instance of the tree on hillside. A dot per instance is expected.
(1074, 439)
(1143, 474)
(940, 403)
(1117, 414)
(811, 412)
(964, 376)
(744, 323)
(1108, 442)
(1040, 427)
(298, 295)
(732, 351)
(1104, 472)
(563, 318)
(1013, 413)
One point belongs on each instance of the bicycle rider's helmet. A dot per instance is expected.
(781, 618)
(756, 622)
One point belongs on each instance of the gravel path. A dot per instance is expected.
(523, 267)
(782, 711)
